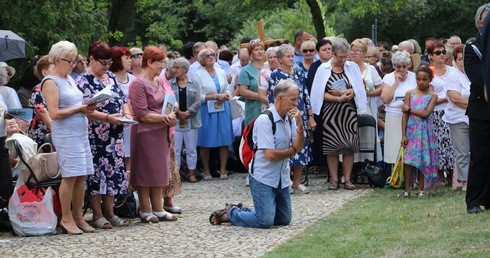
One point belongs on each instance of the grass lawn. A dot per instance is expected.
(382, 225)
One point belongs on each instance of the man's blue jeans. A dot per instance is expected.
(272, 206)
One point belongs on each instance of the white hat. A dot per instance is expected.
(10, 69)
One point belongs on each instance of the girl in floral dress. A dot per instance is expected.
(417, 134)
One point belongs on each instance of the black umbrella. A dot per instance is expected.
(11, 46)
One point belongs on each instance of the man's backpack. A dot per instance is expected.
(247, 147)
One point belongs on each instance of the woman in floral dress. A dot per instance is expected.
(106, 138)
(286, 71)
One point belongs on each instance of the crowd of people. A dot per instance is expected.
(430, 102)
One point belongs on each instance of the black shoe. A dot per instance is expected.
(475, 210)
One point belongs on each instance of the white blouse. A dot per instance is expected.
(459, 82)
(395, 106)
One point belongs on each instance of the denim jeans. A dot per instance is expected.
(272, 206)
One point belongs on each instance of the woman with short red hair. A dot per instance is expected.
(121, 65)
(150, 140)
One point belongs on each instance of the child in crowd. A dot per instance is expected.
(418, 137)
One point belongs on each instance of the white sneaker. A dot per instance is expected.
(300, 190)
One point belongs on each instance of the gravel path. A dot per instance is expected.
(191, 235)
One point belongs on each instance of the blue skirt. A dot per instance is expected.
(216, 128)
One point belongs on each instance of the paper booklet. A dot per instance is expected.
(168, 104)
(183, 127)
(100, 96)
(21, 113)
(340, 84)
(127, 121)
(215, 106)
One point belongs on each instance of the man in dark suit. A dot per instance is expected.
(478, 191)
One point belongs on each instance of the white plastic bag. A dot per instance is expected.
(32, 218)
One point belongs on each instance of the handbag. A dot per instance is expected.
(397, 174)
(376, 175)
(41, 167)
(126, 205)
(236, 109)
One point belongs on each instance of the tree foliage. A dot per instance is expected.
(399, 20)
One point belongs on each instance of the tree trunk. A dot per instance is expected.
(317, 17)
(121, 13)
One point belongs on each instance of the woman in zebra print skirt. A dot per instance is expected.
(341, 89)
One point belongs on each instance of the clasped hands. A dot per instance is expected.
(346, 95)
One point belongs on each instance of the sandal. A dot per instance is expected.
(148, 217)
(223, 175)
(102, 223)
(217, 215)
(349, 185)
(334, 185)
(118, 222)
(206, 175)
(192, 178)
(167, 216)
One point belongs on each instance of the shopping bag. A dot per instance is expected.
(397, 174)
(31, 216)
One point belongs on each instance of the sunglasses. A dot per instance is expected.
(137, 55)
(210, 56)
(255, 41)
(308, 50)
(439, 52)
(105, 62)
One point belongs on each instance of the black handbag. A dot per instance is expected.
(126, 206)
(376, 175)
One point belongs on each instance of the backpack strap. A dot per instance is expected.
(271, 117)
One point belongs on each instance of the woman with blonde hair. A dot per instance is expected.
(216, 130)
(69, 134)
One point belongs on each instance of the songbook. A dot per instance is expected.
(340, 84)
(21, 113)
(100, 96)
(183, 127)
(168, 104)
(399, 98)
(215, 106)
(127, 121)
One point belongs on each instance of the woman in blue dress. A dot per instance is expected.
(69, 135)
(216, 130)
(106, 138)
(287, 71)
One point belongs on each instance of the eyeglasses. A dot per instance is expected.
(399, 66)
(439, 52)
(105, 62)
(357, 51)
(255, 41)
(71, 63)
(341, 57)
(308, 50)
(208, 56)
(139, 55)
(176, 67)
(369, 56)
